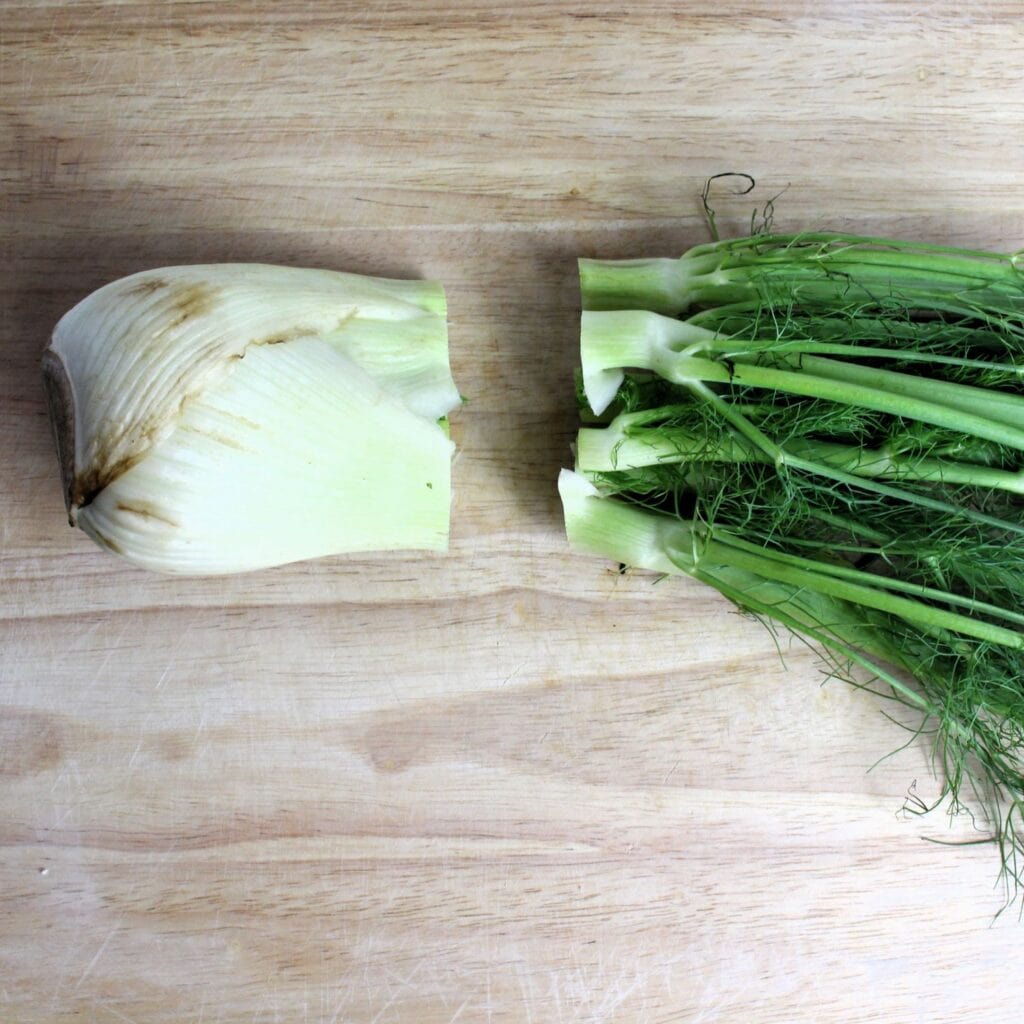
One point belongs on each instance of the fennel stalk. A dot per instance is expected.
(829, 430)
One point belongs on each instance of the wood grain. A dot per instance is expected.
(506, 784)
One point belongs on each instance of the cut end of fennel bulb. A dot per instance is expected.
(232, 417)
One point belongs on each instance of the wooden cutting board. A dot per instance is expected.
(506, 784)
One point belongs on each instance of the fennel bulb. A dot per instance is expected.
(230, 417)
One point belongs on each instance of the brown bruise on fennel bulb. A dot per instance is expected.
(179, 303)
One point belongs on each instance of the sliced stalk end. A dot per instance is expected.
(600, 450)
(612, 341)
(611, 529)
(655, 284)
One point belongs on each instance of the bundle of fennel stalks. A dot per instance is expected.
(829, 430)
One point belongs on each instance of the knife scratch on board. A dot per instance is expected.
(172, 656)
(117, 1013)
(96, 958)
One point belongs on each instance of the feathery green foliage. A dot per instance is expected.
(829, 429)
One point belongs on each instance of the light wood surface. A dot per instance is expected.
(507, 784)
